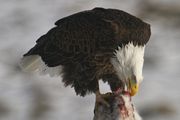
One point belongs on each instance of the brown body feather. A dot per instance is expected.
(85, 42)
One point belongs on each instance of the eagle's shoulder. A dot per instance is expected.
(127, 28)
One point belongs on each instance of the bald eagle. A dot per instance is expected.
(91, 45)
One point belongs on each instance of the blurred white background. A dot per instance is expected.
(28, 96)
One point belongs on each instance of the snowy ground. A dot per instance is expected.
(27, 96)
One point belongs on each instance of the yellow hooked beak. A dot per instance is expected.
(134, 86)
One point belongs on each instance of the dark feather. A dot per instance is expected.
(83, 44)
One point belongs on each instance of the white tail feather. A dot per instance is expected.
(35, 63)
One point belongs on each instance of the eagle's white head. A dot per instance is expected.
(128, 63)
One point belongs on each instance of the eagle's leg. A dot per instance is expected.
(116, 85)
(99, 97)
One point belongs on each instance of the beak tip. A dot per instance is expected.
(133, 92)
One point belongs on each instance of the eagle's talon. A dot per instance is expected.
(100, 99)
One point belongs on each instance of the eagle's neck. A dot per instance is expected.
(129, 61)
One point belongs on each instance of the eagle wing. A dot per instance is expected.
(88, 34)
(83, 34)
